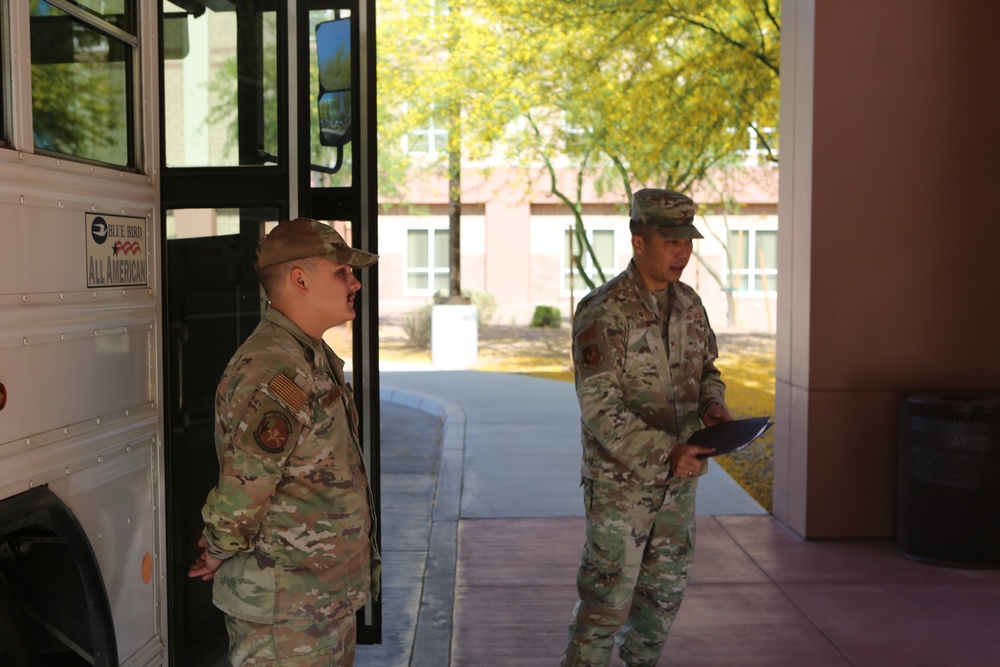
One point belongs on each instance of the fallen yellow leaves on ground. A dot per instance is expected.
(747, 365)
(746, 362)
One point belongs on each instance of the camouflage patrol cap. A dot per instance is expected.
(305, 237)
(669, 213)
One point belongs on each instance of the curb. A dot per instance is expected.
(433, 635)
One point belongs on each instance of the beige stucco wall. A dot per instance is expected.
(514, 251)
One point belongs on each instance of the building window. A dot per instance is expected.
(431, 139)
(760, 145)
(603, 243)
(427, 261)
(754, 254)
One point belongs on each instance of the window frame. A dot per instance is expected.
(6, 78)
(431, 226)
(128, 39)
(748, 276)
(435, 135)
(564, 261)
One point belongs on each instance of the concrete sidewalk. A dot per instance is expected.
(509, 448)
(482, 532)
(512, 445)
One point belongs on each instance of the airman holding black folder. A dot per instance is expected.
(646, 380)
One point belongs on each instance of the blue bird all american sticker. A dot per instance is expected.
(117, 255)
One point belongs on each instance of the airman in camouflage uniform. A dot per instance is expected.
(289, 528)
(645, 377)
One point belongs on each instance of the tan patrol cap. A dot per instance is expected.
(669, 213)
(305, 237)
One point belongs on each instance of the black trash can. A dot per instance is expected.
(949, 479)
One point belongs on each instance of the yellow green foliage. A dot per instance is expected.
(438, 62)
(747, 365)
(635, 92)
(662, 90)
(747, 395)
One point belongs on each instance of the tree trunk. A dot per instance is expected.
(455, 224)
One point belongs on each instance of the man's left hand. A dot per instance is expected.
(716, 413)
(204, 566)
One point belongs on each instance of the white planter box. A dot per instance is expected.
(454, 337)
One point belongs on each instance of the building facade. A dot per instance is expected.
(517, 246)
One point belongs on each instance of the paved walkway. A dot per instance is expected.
(480, 559)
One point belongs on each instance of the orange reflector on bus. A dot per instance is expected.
(147, 568)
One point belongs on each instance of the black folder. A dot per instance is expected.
(731, 436)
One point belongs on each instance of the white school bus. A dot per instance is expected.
(145, 146)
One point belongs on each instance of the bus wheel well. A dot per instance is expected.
(51, 589)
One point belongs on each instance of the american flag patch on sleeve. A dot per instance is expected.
(283, 388)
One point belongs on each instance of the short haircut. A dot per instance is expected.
(271, 277)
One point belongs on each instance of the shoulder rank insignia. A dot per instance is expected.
(272, 432)
(283, 388)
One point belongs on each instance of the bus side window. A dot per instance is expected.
(82, 85)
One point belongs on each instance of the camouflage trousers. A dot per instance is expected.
(292, 643)
(640, 542)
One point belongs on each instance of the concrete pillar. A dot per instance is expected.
(890, 137)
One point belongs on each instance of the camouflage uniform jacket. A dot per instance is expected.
(636, 401)
(291, 514)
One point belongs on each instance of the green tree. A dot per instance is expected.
(77, 108)
(79, 87)
(641, 92)
(439, 62)
(616, 92)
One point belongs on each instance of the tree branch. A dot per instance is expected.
(756, 22)
(761, 140)
(712, 272)
(770, 15)
(574, 207)
(726, 38)
(623, 172)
